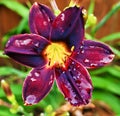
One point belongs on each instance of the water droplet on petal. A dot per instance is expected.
(62, 17)
(107, 59)
(32, 79)
(26, 42)
(30, 100)
(44, 23)
(82, 51)
(86, 60)
(37, 74)
(93, 64)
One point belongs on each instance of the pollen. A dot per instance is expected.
(56, 54)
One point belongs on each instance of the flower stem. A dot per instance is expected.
(114, 9)
(55, 7)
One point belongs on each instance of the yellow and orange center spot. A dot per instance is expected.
(56, 54)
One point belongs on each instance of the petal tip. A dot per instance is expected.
(36, 4)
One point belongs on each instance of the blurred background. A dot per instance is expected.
(106, 80)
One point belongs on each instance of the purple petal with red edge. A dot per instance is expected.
(69, 27)
(27, 49)
(37, 85)
(75, 83)
(93, 54)
(40, 19)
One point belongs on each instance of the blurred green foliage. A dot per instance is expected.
(106, 80)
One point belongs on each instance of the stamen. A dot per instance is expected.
(56, 54)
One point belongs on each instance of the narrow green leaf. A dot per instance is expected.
(23, 25)
(89, 37)
(109, 99)
(109, 70)
(117, 52)
(91, 7)
(111, 37)
(5, 71)
(106, 84)
(15, 6)
(114, 9)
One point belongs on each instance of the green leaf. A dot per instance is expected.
(114, 9)
(5, 71)
(89, 37)
(4, 111)
(109, 70)
(91, 7)
(109, 99)
(117, 52)
(23, 25)
(106, 84)
(111, 37)
(15, 6)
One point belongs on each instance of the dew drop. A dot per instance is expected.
(82, 51)
(93, 64)
(26, 42)
(73, 62)
(73, 101)
(37, 74)
(37, 44)
(17, 43)
(32, 79)
(74, 69)
(30, 100)
(107, 59)
(62, 17)
(86, 60)
(44, 23)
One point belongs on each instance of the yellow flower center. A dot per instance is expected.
(56, 54)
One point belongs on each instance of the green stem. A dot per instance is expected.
(114, 9)
(55, 7)
(91, 7)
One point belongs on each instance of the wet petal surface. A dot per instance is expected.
(37, 85)
(40, 19)
(27, 49)
(68, 27)
(93, 54)
(75, 83)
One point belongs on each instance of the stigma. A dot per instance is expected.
(56, 54)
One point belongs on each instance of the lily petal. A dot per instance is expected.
(75, 83)
(40, 19)
(93, 54)
(37, 85)
(69, 27)
(27, 49)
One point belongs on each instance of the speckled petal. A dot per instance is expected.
(40, 19)
(27, 49)
(93, 54)
(69, 27)
(75, 83)
(37, 85)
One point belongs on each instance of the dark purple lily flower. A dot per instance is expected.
(56, 49)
